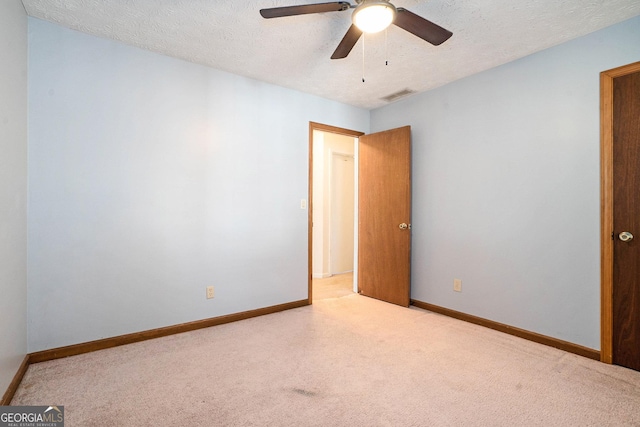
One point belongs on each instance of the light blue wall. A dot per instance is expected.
(152, 178)
(13, 189)
(506, 187)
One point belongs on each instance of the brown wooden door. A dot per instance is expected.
(384, 203)
(626, 218)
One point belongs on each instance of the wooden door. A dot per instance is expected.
(626, 219)
(384, 204)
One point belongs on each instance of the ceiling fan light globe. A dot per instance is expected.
(373, 16)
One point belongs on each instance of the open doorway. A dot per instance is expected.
(382, 244)
(333, 211)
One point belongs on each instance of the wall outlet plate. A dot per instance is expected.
(210, 293)
(457, 285)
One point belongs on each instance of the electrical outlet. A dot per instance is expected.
(210, 293)
(457, 285)
(303, 203)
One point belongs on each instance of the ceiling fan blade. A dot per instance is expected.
(278, 12)
(348, 41)
(420, 27)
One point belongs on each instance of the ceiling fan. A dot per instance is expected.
(369, 16)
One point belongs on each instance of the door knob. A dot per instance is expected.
(625, 236)
(403, 226)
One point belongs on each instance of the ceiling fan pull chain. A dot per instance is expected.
(363, 37)
(386, 46)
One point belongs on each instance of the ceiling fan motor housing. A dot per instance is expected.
(373, 16)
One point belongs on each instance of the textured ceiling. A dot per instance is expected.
(294, 52)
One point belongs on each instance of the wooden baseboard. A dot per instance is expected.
(17, 379)
(511, 330)
(72, 350)
(75, 349)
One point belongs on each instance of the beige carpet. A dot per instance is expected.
(336, 286)
(350, 361)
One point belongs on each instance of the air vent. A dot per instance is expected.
(399, 94)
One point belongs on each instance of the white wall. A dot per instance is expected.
(152, 178)
(13, 189)
(506, 187)
(342, 213)
(324, 144)
(319, 268)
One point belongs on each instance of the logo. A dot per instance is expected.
(31, 416)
